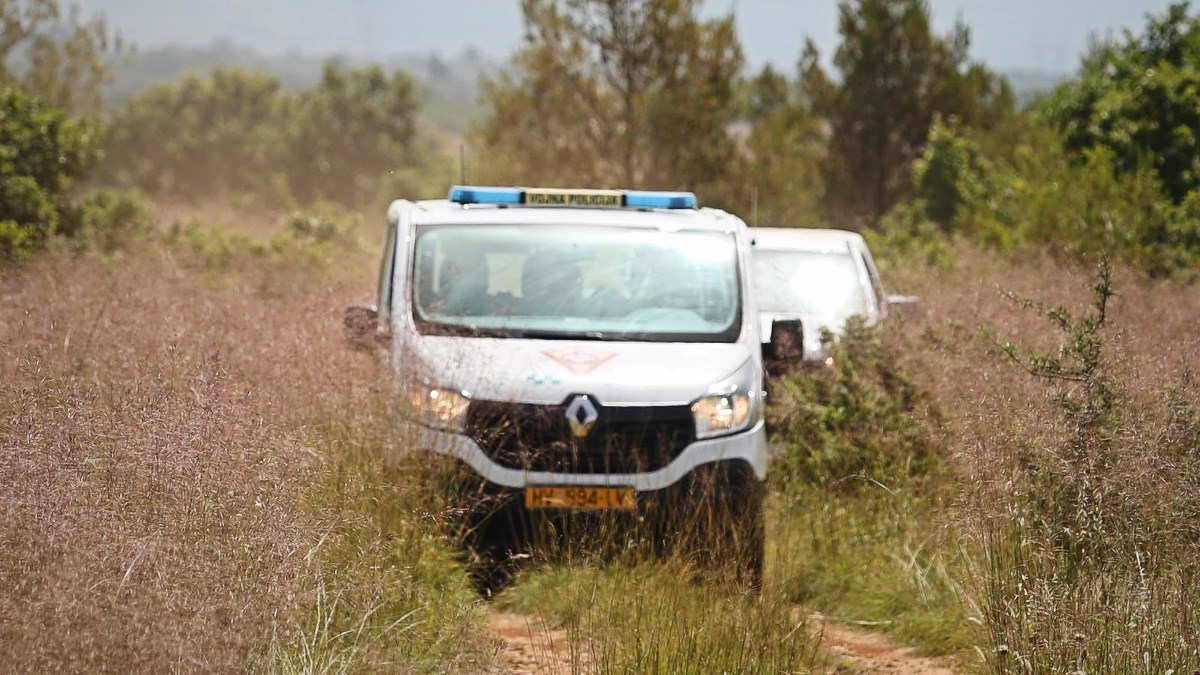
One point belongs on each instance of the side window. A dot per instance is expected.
(386, 265)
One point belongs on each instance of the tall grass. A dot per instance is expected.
(191, 476)
(640, 617)
(865, 509)
(1072, 414)
(197, 475)
(890, 560)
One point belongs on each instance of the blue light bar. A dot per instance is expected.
(466, 194)
(661, 200)
(637, 199)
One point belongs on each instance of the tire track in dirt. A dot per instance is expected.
(526, 644)
(870, 652)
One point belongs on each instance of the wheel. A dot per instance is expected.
(718, 524)
(743, 533)
(493, 535)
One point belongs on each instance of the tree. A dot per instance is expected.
(895, 77)
(1141, 99)
(629, 93)
(42, 150)
(55, 54)
(238, 132)
(350, 131)
(783, 151)
(200, 136)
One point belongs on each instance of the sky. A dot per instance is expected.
(1008, 35)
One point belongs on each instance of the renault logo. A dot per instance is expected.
(581, 415)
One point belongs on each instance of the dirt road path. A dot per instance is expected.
(527, 645)
(870, 652)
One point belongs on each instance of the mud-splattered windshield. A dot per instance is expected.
(573, 282)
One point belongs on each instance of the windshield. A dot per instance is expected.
(823, 285)
(573, 282)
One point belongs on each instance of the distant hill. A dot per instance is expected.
(449, 85)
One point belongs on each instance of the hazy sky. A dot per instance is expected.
(1008, 34)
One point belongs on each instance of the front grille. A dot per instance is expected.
(538, 437)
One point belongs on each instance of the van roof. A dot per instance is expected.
(442, 211)
(804, 239)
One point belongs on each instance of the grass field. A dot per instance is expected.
(193, 479)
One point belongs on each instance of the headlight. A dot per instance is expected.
(721, 414)
(438, 407)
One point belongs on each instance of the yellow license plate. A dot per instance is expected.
(545, 497)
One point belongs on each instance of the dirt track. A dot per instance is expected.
(527, 645)
(869, 652)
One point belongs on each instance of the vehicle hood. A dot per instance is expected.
(548, 371)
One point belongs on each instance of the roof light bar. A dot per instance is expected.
(465, 194)
(639, 199)
(661, 200)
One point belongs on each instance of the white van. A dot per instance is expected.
(807, 280)
(580, 349)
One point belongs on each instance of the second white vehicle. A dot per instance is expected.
(809, 280)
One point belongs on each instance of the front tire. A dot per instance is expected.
(718, 524)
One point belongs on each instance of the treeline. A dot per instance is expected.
(236, 131)
(1107, 163)
(644, 93)
(71, 173)
(446, 84)
(905, 136)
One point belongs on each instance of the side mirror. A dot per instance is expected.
(362, 330)
(787, 342)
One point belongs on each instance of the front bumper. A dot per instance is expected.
(750, 446)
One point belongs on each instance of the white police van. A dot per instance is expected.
(582, 349)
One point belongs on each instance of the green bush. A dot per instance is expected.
(107, 221)
(307, 239)
(858, 421)
(42, 151)
(213, 247)
(325, 224)
(1043, 197)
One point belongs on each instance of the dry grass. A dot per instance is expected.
(1086, 523)
(632, 616)
(190, 478)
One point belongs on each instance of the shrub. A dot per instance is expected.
(325, 224)
(1044, 197)
(859, 420)
(306, 239)
(42, 150)
(107, 221)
